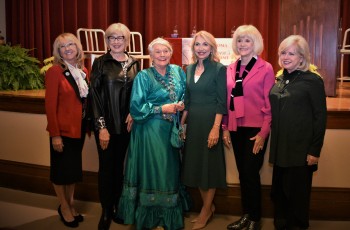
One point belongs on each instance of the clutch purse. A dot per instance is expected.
(176, 138)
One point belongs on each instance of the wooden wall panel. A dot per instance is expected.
(318, 22)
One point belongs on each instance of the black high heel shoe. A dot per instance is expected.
(79, 218)
(71, 224)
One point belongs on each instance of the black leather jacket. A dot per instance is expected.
(110, 91)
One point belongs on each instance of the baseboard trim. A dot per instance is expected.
(326, 203)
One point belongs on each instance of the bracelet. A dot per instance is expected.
(216, 124)
(157, 109)
(100, 123)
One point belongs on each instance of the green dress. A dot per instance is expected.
(152, 193)
(204, 167)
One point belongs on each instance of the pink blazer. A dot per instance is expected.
(255, 103)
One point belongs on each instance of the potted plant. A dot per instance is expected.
(18, 70)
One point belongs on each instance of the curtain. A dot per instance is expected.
(34, 24)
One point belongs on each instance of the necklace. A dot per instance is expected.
(168, 86)
(125, 69)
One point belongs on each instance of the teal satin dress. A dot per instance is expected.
(152, 193)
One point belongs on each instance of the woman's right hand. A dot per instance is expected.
(226, 138)
(104, 138)
(169, 108)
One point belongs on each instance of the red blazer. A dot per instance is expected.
(62, 103)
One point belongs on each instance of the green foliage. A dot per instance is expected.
(18, 70)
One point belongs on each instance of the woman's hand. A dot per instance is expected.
(213, 137)
(311, 160)
(226, 138)
(180, 106)
(57, 144)
(104, 138)
(258, 144)
(129, 122)
(169, 108)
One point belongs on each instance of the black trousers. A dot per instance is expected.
(111, 169)
(248, 165)
(291, 189)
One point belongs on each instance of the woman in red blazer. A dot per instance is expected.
(65, 103)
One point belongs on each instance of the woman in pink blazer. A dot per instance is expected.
(247, 123)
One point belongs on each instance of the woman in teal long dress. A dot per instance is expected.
(152, 194)
(205, 101)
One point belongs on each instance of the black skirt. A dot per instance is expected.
(66, 166)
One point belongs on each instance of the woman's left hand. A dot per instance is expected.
(258, 144)
(311, 160)
(129, 122)
(213, 137)
(180, 106)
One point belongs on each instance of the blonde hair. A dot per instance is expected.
(58, 43)
(209, 38)
(118, 28)
(251, 32)
(160, 41)
(302, 48)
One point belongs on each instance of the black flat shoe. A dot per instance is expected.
(239, 224)
(117, 220)
(254, 225)
(72, 224)
(105, 220)
(79, 218)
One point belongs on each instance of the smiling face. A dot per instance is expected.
(290, 59)
(245, 47)
(117, 42)
(68, 51)
(202, 48)
(160, 55)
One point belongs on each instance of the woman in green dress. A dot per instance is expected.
(205, 103)
(152, 195)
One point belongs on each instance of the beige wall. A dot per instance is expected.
(23, 138)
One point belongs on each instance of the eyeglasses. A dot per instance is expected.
(67, 46)
(118, 38)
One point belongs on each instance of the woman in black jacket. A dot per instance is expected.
(298, 107)
(111, 82)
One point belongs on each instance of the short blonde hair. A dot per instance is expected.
(209, 38)
(118, 28)
(58, 43)
(251, 32)
(159, 41)
(302, 48)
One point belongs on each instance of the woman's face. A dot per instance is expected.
(117, 42)
(160, 55)
(290, 59)
(245, 46)
(202, 48)
(68, 51)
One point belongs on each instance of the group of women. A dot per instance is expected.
(132, 113)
